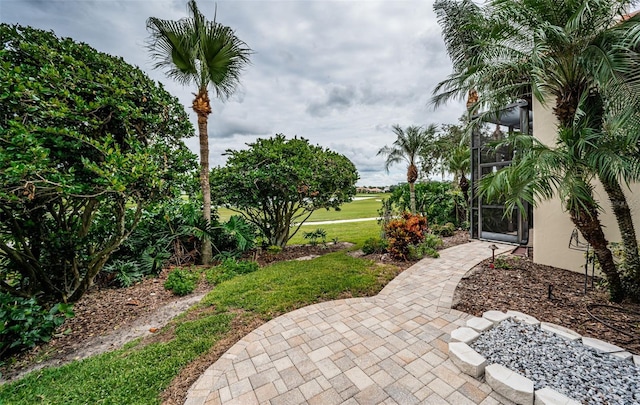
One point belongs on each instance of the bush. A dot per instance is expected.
(182, 281)
(24, 323)
(273, 249)
(428, 248)
(402, 233)
(441, 202)
(88, 143)
(443, 230)
(374, 245)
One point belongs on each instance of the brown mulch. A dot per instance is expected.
(525, 286)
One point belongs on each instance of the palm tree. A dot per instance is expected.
(575, 57)
(207, 54)
(409, 145)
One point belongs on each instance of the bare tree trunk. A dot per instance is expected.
(625, 222)
(588, 223)
(202, 107)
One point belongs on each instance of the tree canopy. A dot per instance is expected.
(86, 141)
(277, 183)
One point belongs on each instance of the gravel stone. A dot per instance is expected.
(577, 371)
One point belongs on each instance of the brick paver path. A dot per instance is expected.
(387, 349)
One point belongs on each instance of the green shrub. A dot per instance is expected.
(441, 202)
(374, 245)
(501, 262)
(432, 241)
(273, 249)
(404, 232)
(182, 281)
(417, 252)
(443, 230)
(24, 323)
(428, 248)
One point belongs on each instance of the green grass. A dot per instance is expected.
(366, 208)
(286, 286)
(139, 374)
(354, 232)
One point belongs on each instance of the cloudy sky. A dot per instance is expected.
(339, 73)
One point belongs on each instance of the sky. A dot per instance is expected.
(338, 73)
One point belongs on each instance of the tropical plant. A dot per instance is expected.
(438, 201)
(410, 145)
(454, 152)
(404, 234)
(278, 183)
(207, 54)
(579, 58)
(314, 236)
(25, 323)
(87, 142)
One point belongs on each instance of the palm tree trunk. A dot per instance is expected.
(588, 223)
(412, 197)
(202, 108)
(625, 223)
(412, 176)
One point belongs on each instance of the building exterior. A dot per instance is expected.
(546, 227)
(551, 225)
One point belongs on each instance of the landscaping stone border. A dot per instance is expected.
(509, 383)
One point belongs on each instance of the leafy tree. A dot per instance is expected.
(86, 142)
(207, 54)
(575, 57)
(410, 145)
(277, 183)
(438, 201)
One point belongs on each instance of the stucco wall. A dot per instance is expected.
(551, 225)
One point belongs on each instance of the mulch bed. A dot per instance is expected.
(525, 286)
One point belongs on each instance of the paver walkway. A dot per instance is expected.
(387, 349)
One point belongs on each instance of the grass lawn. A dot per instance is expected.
(365, 206)
(138, 374)
(354, 232)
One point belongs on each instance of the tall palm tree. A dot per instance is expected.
(409, 145)
(575, 57)
(207, 54)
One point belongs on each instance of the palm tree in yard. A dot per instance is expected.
(409, 145)
(579, 58)
(209, 55)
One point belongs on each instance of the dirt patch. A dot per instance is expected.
(551, 295)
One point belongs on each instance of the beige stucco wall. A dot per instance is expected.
(551, 225)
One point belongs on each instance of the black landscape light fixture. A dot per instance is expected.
(493, 252)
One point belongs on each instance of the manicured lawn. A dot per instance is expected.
(354, 232)
(138, 374)
(365, 206)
